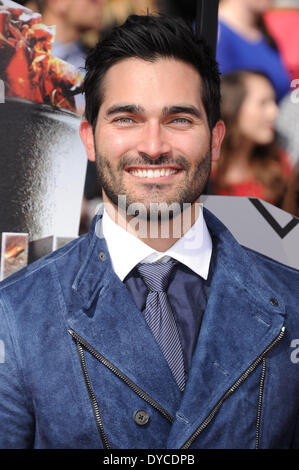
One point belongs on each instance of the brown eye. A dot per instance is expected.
(124, 120)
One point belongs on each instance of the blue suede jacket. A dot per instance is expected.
(78, 359)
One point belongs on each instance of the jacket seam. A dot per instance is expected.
(22, 385)
(78, 278)
(271, 261)
(75, 363)
(254, 298)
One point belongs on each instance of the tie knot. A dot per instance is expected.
(156, 275)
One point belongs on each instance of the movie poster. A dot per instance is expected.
(43, 161)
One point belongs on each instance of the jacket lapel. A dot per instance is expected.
(239, 323)
(110, 322)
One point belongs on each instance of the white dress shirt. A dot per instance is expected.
(193, 249)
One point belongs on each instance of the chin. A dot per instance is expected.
(265, 139)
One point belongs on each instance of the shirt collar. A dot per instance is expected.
(193, 250)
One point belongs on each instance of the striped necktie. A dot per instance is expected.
(160, 318)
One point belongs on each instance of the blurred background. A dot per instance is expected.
(258, 56)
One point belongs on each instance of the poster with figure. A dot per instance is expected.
(43, 162)
(14, 248)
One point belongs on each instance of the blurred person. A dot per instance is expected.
(244, 43)
(31, 4)
(115, 12)
(283, 22)
(251, 163)
(71, 18)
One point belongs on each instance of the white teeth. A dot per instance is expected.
(153, 173)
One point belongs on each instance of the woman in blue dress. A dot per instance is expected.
(245, 44)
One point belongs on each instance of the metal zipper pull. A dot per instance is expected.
(81, 343)
(238, 382)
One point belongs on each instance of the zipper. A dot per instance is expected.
(141, 393)
(259, 410)
(231, 390)
(92, 397)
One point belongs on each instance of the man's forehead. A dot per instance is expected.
(132, 65)
(134, 80)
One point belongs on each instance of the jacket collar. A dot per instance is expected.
(193, 250)
(95, 271)
(242, 267)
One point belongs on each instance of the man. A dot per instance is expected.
(126, 338)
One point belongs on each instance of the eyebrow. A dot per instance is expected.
(136, 109)
(182, 109)
(129, 108)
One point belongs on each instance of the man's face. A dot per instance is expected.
(152, 139)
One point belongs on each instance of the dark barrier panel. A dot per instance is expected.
(42, 169)
(207, 21)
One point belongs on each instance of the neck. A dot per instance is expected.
(244, 151)
(64, 32)
(240, 161)
(159, 235)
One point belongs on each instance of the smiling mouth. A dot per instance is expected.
(153, 173)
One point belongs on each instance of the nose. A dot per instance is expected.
(153, 141)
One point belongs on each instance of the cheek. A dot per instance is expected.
(192, 146)
(254, 129)
(249, 122)
(113, 145)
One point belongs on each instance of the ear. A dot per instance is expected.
(86, 134)
(217, 138)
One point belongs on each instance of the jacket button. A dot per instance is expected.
(102, 256)
(274, 302)
(141, 417)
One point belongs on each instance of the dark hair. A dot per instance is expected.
(266, 33)
(291, 199)
(150, 38)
